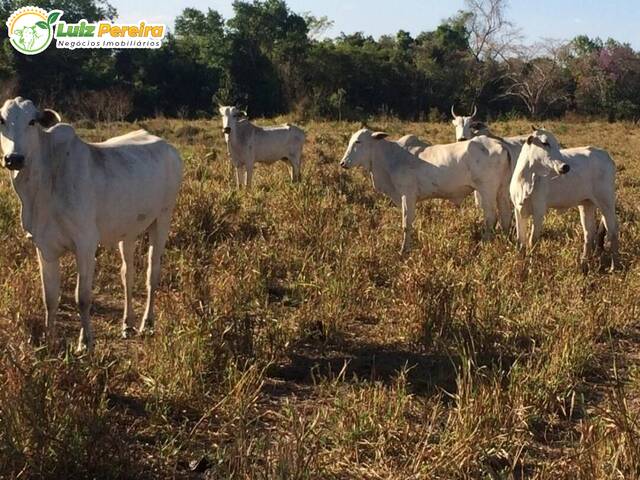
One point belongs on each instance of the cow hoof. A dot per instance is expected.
(128, 332)
(37, 339)
(487, 236)
(147, 332)
(84, 349)
(147, 329)
(584, 267)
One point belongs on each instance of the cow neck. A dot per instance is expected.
(234, 142)
(522, 170)
(386, 150)
(35, 189)
(378, 168)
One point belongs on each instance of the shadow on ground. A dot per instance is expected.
(426, 373)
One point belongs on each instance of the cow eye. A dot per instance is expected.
(357, 142)
(1, 120)
(546, 144)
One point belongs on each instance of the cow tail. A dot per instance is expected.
(601, 235)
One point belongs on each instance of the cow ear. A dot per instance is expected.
(478, 125)
(530, 140)
(48, 118)
(379, 135)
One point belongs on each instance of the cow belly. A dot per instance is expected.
(454, 192)
(272, 156)
(566, 193)
(130, 221)
(130, 206)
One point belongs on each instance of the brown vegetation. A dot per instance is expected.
(294, 342)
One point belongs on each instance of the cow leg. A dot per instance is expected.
(477, 198)
(50, 276)
(158, 234)
(294, 169)
(505, 209)
(127, 273)
(408, 214)
(536, 228)
(589, 230)
(248, 175)
(489, 209)
(611, 224)
(239, 177)
(86, 262)
(521, 229)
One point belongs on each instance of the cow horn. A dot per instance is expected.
(534, 128)
(453, 112)
(475, 110)
(48, 118)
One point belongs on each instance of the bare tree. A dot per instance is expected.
(491, 39)
(491, 33)
(317, 26)
(110, 105)
(537, 76)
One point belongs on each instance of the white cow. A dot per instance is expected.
(468, 128)
(463, 124)
(442, 171)
(75, 195)
(248, 144)
(413, 144)
(549, 177)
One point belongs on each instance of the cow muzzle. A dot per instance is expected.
(226, 130)
(462, 139)
(13, 161)
(344, 165)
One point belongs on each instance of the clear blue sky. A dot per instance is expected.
(558, 19)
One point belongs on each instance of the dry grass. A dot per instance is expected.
(294, 342)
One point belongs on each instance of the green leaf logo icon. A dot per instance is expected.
(53, 16)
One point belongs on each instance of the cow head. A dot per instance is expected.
(465, 125)
(230, 117)
(360, 149)
(544, 154)
(27, 36)
(20, 125)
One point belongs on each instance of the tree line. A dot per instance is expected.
(272, 60)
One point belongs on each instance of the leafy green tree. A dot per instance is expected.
(269, 50)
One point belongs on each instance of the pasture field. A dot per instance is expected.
(294, 342)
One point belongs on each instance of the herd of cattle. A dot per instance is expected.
(75, 195)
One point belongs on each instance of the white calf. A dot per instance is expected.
(548, 177)
(248, 144)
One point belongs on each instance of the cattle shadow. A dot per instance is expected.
(425, 373)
